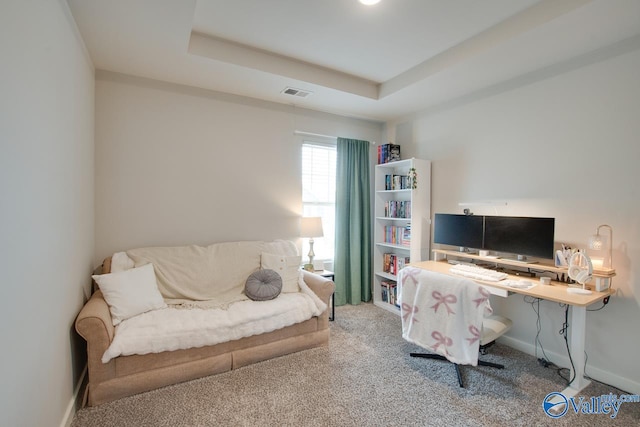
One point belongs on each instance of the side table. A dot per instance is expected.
(329, 275)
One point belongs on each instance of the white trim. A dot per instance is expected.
(329, 145)
(70, 413)
(319, 135)
(77, 34)
(597, 374)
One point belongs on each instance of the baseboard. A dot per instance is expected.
(597, 374)
(72, 408)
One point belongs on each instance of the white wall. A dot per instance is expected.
(46, 214)
(564, 146)
(177, 165)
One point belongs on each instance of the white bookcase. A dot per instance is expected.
(391, 219)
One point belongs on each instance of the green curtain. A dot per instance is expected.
(352, 263)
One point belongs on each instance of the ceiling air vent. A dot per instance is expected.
(296, 92)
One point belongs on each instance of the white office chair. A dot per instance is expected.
(449, 316)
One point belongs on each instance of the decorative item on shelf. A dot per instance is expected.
(311, 227)
(413, 179)
(580, 270)
(597, 244)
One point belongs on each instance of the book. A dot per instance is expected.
(388, 291)
(388, 153)
(396, 235)
(393, 154)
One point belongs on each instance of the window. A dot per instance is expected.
(319, 194)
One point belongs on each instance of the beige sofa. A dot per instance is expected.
(127, 375)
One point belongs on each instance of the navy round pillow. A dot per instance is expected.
(263, 285)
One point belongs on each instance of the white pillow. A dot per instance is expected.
(287, 266)
(130, 292)
(120, 261)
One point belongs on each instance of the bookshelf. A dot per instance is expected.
(402, 218)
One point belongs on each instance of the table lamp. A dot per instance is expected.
(311, 226)
(596, 243)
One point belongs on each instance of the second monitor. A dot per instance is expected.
(522, 236)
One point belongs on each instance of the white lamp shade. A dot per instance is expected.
(311, 226)
(596, 242)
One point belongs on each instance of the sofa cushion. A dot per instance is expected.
(263, 285)
(215, 273)
(288, 267)
(178, 328)
(131, 292)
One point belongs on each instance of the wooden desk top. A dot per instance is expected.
(556, 291)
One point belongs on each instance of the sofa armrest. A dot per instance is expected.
(322, 286)
(95, 320)
(94, 324)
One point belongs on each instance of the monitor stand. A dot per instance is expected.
(467, 250)
(520, 258)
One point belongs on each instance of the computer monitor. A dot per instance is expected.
(464, 231)
(522, 236)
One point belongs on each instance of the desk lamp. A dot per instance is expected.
(596, 243)
(311, 227)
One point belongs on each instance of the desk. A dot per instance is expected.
(556, 292)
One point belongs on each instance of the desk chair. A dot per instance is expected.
(449, 316)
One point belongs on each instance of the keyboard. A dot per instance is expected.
(479, 273)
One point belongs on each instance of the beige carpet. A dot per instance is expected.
(365, 378)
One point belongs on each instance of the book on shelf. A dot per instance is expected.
(393, 263)
(406, 236)
(397, 182)
(393, 296)
(397, 235)
(389, 293)
(386, 262)
(397, 209)
(388, 153)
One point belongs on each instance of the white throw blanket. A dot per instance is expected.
(213, 275)
(443, 313)
(176, 329)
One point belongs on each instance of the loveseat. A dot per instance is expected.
(201, 285)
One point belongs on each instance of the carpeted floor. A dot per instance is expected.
(365, 378)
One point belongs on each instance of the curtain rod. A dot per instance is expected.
(302, 133)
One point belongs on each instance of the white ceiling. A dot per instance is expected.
(377, 62)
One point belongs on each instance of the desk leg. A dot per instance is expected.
(576, 345)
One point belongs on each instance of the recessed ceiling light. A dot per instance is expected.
(369, 2)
